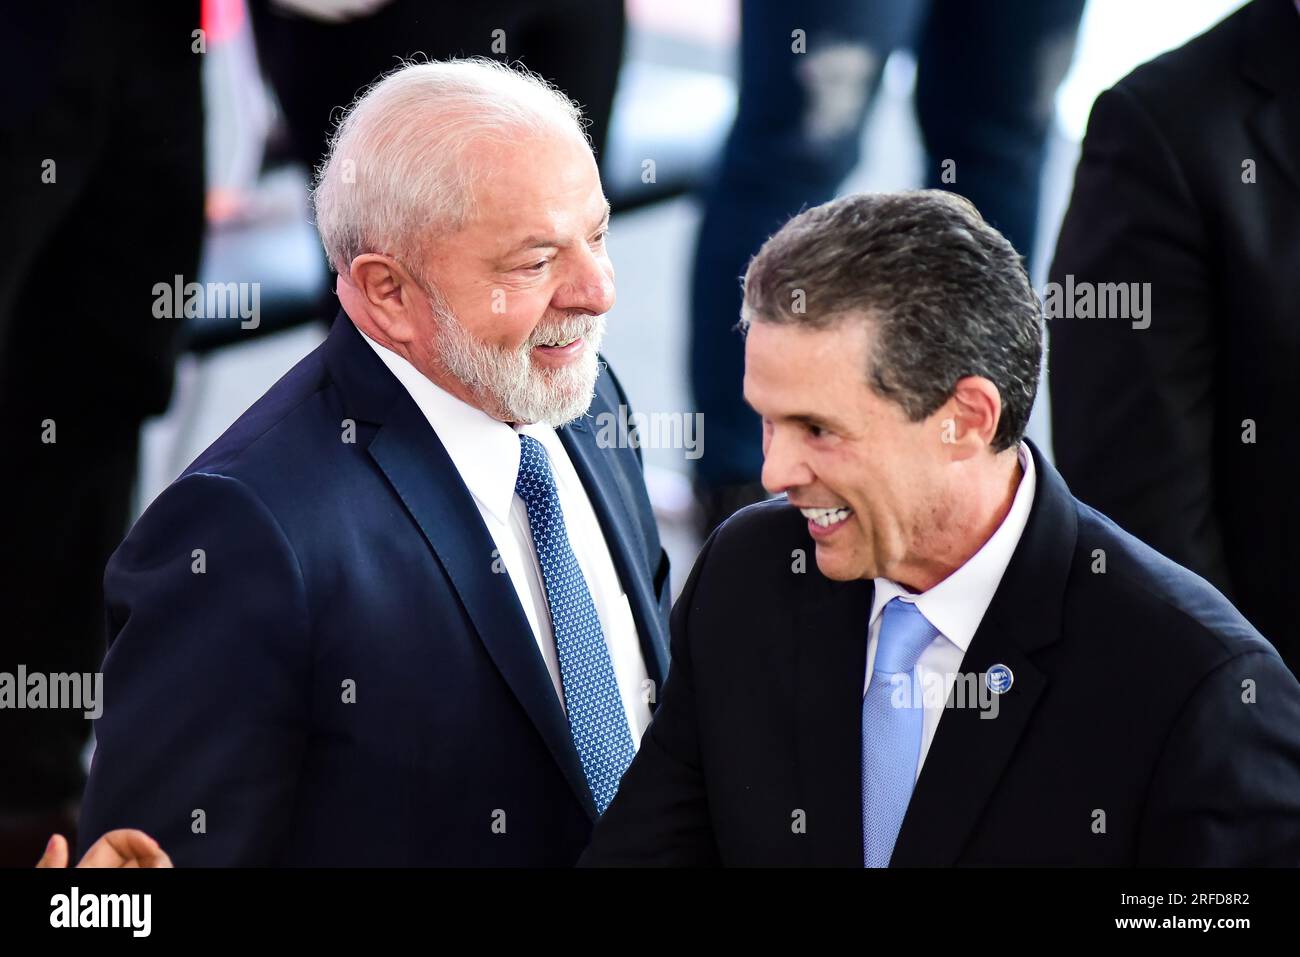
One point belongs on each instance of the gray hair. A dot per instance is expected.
(399, 169)
(947, 293)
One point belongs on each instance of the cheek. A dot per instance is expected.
(524, 312)
(501, 316)
(877, 498)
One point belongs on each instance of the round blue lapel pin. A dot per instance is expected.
(999, 679)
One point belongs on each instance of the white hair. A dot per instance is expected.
(504, 382)
(399, 168)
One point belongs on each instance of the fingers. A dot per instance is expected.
(125, 848)
(56, 852)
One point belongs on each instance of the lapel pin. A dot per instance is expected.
(999, 679)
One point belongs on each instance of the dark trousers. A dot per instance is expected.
(317, 68)
(101, 160)
(987, 75)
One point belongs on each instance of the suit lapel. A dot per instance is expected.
(1271, 60)
(609, 494)
(969, 753)
(1277, 126)
(417, 465)
(421, 472)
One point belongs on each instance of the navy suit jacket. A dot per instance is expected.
(288, 566)
(1147, 722)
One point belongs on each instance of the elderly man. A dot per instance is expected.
(1122, 712)
(406, 610)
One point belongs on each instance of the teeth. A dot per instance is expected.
(561, 342)
(824, 517)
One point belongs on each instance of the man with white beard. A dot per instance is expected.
(406, 610)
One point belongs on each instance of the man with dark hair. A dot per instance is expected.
(980, 669)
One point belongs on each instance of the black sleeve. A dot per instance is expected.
(660, 816)
(1133, 408)
(1226, 790)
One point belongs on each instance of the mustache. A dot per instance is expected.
(582, 327)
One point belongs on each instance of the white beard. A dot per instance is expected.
(509, 387)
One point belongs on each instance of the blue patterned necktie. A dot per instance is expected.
(891, 735)
(595, 709)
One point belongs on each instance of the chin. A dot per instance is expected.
(557, 407)
(838, 566)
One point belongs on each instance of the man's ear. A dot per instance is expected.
(391, 295)
(968, 421)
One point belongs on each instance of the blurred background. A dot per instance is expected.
(674, 103)
(182, 144)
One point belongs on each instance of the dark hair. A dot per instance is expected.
(948, 294)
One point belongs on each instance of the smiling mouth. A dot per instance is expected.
(562, 354)
(826, 517)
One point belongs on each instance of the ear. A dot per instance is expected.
(393, 299)
(968, 421)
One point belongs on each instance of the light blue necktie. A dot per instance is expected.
(596, 717)
(891, 735)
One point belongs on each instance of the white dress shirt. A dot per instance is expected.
(955, 606)
(486, 453)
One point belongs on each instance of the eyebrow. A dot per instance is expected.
(802, 418)
(540, 241)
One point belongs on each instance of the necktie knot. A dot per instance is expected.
(534, 483)
(904, 634)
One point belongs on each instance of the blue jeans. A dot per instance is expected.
(987, 74)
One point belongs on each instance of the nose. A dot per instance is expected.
(589, 287)
(784, 467)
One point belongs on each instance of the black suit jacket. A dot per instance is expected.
(1148, 423)
(327, 561)
(1123, 740)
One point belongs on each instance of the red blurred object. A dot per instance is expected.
(222, 19)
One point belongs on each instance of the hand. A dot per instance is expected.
(123, 848)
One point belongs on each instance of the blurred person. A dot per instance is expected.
(318, 55)
(101, 152)
(1124, 712)
(410, 609)
(987, 74)
(1176, 423)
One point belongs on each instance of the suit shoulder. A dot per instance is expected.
(759, 543)
(1135, 590)
(274, 431)
(768, 522)
(1198, 83)
(1204, 61)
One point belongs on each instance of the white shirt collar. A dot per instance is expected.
(484, 450)
(957, 604)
